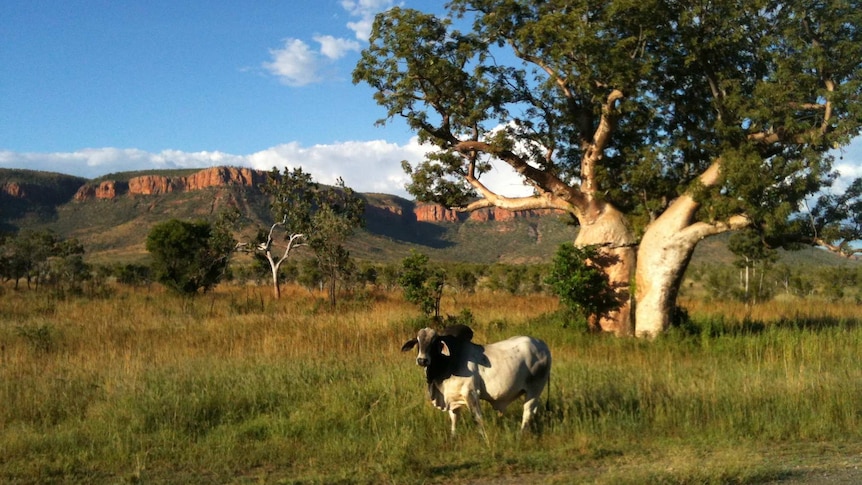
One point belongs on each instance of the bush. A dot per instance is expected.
(189, 256)
(582, 288)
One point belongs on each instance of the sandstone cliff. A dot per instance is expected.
(388, 207)
(13, 189)
(159, 184)
(437, 213)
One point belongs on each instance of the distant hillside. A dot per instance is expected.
(112, 215)
(30, 197)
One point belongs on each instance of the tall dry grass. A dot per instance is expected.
(233, 387)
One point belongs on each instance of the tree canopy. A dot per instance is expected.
(190, 256)
(654, 123)
(307, 214)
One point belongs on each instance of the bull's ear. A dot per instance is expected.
(444, 349)
(409, 345)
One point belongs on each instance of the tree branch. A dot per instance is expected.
(594, 149)
(701, 230)
(550, 185)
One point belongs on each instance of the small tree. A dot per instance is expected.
(339, 213)
(465, 279)
(582, 287)
(422, 284)
(32, 254)
(752, 253)
(306, 214)
(293, 198)
(189, 256)
(388, 276)
(310, 276)
(66, 269)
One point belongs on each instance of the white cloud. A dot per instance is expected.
(336, 48)
(847, 174)
(366, 166)
(295, 64)
(365, 10)
(95, 162)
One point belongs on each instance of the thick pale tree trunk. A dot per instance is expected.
(663, 256)
(662, 259)
(609, 229)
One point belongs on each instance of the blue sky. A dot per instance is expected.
(90, 87)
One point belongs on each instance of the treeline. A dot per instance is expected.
(43, 261)
(766, 282)
(458, 277)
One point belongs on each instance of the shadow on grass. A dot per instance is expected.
(451, 469)
(721, 327)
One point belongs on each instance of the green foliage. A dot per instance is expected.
(339, 213)
(422, 283)
(310, 276)
(464, 278)
(836, 220)
(189, 256)
(132, 274)
(292, 197)
(307, 214)
(812, 283)
(629, 105)
(43, 258)
(755, 258)
(581, 286)
(692, 89)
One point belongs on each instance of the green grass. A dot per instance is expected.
(153, 388)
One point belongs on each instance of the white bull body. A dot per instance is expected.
(459, 372)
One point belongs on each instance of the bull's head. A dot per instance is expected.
(430, 346)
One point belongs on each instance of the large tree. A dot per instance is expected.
(654, 123)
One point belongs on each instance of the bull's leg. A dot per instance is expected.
(531, 405)
(453, 418)
(476, 409)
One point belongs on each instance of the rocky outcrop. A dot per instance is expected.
(435, 213)
(218, 176)
(160, 184)
(108, 189)
(388, 208)
(151, 185)
(40, 188)
(13, 189)
(438, 213)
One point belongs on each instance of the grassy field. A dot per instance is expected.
(232, 387)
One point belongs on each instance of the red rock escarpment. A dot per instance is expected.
(159, 184)
(13, 189)
(438, 213)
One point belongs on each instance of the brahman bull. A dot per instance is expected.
(459, 372)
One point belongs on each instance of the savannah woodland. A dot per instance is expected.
(689, 253)
(141, 385)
